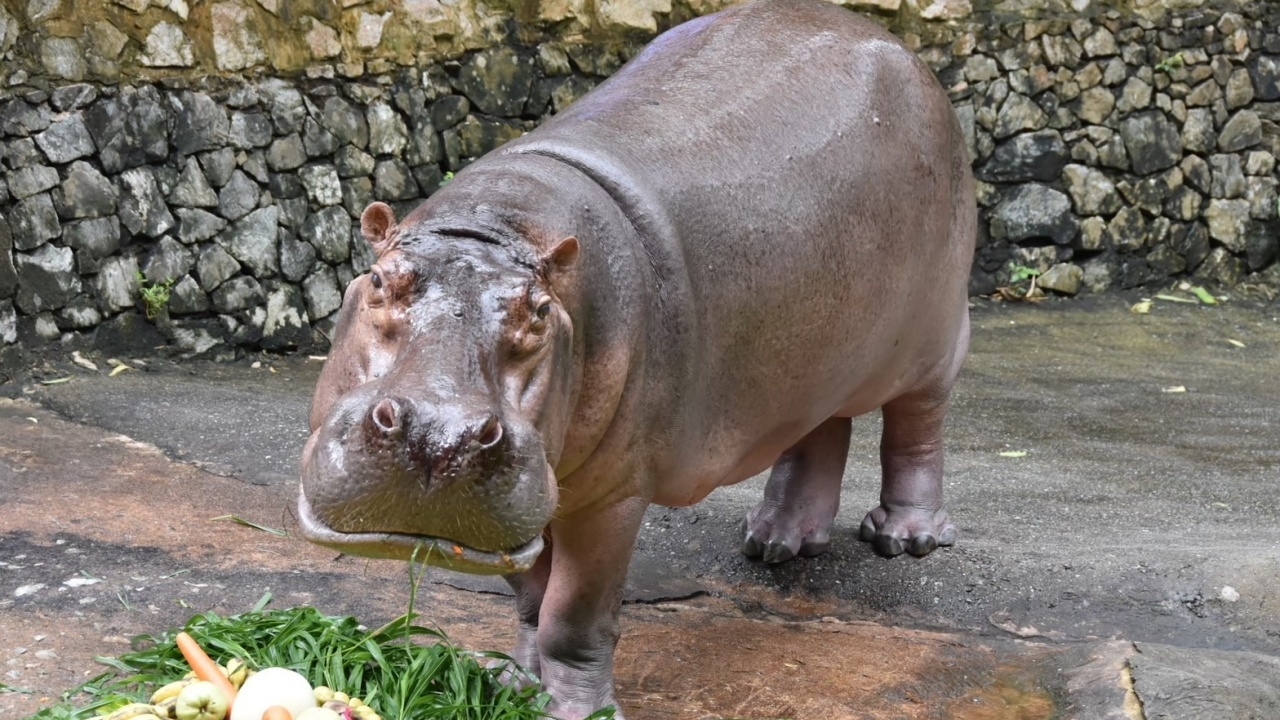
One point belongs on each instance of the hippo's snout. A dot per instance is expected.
(397, 471)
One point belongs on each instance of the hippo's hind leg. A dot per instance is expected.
(911, 517)
(801, 497)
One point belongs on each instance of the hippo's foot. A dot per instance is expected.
(894, 529)
(775, 536)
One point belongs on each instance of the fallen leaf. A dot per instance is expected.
(1141, 308)
(1236, 343)
(1175, 389)
(318, 358)
(118, 369)
(1014, 453)
(56, 381)
(83, 362)
(1203, 295)
(1175, 298)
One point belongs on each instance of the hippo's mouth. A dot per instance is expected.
(438, 552)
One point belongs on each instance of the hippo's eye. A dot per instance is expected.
(543, 310)
(375, 280)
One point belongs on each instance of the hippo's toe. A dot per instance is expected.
(895, 530)
(775, 543)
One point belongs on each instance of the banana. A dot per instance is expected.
(132, 710)
(237, 672)
(167, 708)
(168, 691)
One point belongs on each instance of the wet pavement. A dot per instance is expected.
(1124, 560)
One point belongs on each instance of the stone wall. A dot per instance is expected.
(226, 149)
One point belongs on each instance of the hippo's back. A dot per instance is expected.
(798, 177)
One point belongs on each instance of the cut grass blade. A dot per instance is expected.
(249, 523)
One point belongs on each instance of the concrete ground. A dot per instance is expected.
(1115, 478)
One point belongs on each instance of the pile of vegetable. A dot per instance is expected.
(297, 664)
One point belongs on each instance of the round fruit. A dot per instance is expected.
(201, 700)
(319, 713)
(273, 686)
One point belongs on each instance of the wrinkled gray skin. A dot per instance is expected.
(758, 229)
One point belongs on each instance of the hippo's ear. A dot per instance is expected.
(561, 258)
(378, 224)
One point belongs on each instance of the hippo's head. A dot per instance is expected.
(441, 407)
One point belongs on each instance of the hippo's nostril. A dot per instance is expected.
(386, 416)
(490, 433)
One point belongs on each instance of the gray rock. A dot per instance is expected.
(186, 297)
(117, 284)
(1034, 211)
(249, 130)
(46, 327)
(1221, 267)
(20, 153)
(978, 68)
(142, 207)
(478, 136)
(18, 117)
(1243, 130)
(195, 226)
(1239, 89)
(1261, 193)
(1197, 174)
(1184, 204)
(357, 193)
(497, 81)
(287, 153)
(1166, 261)
(79, 314)
(322, 294)
(8, 274)
(238, 197)
(1206, 94)
(98, 238)
(322, 184)
(1038, 156)
(1093, 234)
(569, 90)
(214, 267)
(297, 258)
(1061, 51)
(1019, 113)
(63, 58)
(1228, 177)
(1092, 192)
(293, 211)
(1135, 95)
(65, 140)
(449, 111)
(47, 279)
(392, 181)
(285, 104)
(169, 260)
(329, 231)
(1065, 278)
(553, 60)
(1228, 223)
(317, 141)
(1101, 44)
(424, 147)
(428, 177)
(1264, 71)
(218, 166)
(73, 97)
(1095, 105)
(1198, 134)
(345, 122)
(252, 241)
(238, 294)
(1260, 162)
(1191, 242)
(8, 323)
(353, 162)
(1112, 153)
(255, 166)
(1151, 141)
(286, 325)
(129, 129)
(33, 221)
(1262, 243)
(85, 193)
(31, 180)
(192, 189)
(1128, 230)
(387, 132)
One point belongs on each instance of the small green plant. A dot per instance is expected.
(447, 177)
(155, 296)
(1173, 62)
(1022, 273)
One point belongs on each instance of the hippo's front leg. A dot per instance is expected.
(578, 621)
(529, 588)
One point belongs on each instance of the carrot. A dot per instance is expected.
(204, 667)
(276, 712)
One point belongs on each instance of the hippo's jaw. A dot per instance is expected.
(438, 552)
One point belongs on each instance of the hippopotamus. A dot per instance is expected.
(758, 229)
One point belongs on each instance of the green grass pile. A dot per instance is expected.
(391, 668)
